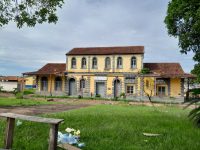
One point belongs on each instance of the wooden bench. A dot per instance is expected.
(53, 133)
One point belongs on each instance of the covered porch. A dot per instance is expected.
(50, 80)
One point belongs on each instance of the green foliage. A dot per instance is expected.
(195, 116)
(183, 22)
(196, 71)
(29, 91)
(122, 94)
(19, 95)
(15, 91)
(79, 97)
(145, 71)
(114, 127)
(98, 95)
(195, 91)
(29, 12)
(23, 102)
(1, 88)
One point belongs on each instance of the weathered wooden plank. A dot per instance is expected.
(68, 147)
(9, 133)
(31, 118)
(53, 134)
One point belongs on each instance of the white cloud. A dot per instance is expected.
(91, 23)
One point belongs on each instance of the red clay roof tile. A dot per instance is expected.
(107, 50)
(50, 68)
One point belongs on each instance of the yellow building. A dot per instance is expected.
(110, 72)
(30, 82)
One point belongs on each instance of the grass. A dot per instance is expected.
(22, 102)
(116, 127)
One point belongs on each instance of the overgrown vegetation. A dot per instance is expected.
(22, 102)
(115, 127)
(29, 91)
(145, 71)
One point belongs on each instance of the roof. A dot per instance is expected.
(11, 78)
(50, 68)
(107, 50)
(167, 69)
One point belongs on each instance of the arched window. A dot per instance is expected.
(119, 62)
(73, 63)
(107, 63)
(82, 84)
(58, 84)
(83, 63)
(44, 84)
(94, 63)
(133, 62)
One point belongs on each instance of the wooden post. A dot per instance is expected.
(50, 85)
(53, 134)
(9, 133)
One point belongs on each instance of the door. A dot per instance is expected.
(72, 88)
(117, 88)
(100, 89)
(161, 91)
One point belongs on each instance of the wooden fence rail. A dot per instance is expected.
(53, 133)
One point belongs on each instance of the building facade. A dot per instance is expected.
(110, 72)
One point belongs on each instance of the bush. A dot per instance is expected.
(19, 95)
(15, 91)
(123, 95)
(1, 88)
(195, 91)
(29, 91)
(98, 95)
(145, 71)
(79, 97)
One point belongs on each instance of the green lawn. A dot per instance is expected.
(116, 127)
(22, 102)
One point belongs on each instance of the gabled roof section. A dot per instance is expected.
(166, 69)
(50, 68)
(107, 50)
(11, 78)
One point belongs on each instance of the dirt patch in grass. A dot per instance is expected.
(42, 109)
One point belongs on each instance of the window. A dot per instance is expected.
(83, 63)
(44, 84)
(161, 90)
(133, 62)
(119, 62)
(73, 63)
(82, 84)
(107, 63)
(130, 89)
(58, 84)
(94, 63)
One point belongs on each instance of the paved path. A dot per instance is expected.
(41, 109)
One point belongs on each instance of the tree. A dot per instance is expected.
(183, 22)
(29, 12)
(196, 71)
(148, 88)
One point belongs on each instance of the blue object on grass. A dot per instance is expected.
(81, 145)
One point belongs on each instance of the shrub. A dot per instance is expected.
(19, 95)
(1, 88)
(195, 91)
(145, 71)
(79, 97)
(98, 95)
(29, 91)
(123, 95)
(15, 91)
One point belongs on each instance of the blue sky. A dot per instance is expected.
(92, 23)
